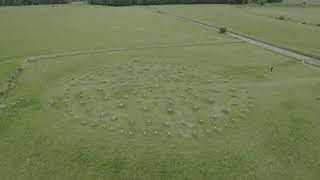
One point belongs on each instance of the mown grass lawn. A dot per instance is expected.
(165, 99)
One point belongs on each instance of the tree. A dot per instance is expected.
(274, 1)
(30, 2)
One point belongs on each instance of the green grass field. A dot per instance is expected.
(309, 15)
(136, 94)
(260, 23)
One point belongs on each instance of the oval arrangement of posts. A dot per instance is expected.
(153, 99)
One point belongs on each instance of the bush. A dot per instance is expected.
(223, 30)
(281, 18)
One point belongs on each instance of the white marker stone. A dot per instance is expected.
(121, 105)
(148, 122)
(145, 108)
(196, 108)
(131, 123)
(211, 101)
(51, 102)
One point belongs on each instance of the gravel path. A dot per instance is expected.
(299, 57)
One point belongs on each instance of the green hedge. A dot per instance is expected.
(30, 2)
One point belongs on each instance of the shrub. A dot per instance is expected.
(281, 18)
(20, 69)
(318, 25)
(223, 30)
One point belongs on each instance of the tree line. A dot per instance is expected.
(129, 2)
(31, 2)
(154, 2)
(157, 2)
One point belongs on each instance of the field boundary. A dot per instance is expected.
(96, 51)
(295, 54)
(154, 46)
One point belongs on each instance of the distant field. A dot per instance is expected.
(309, 16)
(301, 1)
(148, 96)
(63, 28)
(255, 21)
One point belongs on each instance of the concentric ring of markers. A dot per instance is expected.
(155, 99)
